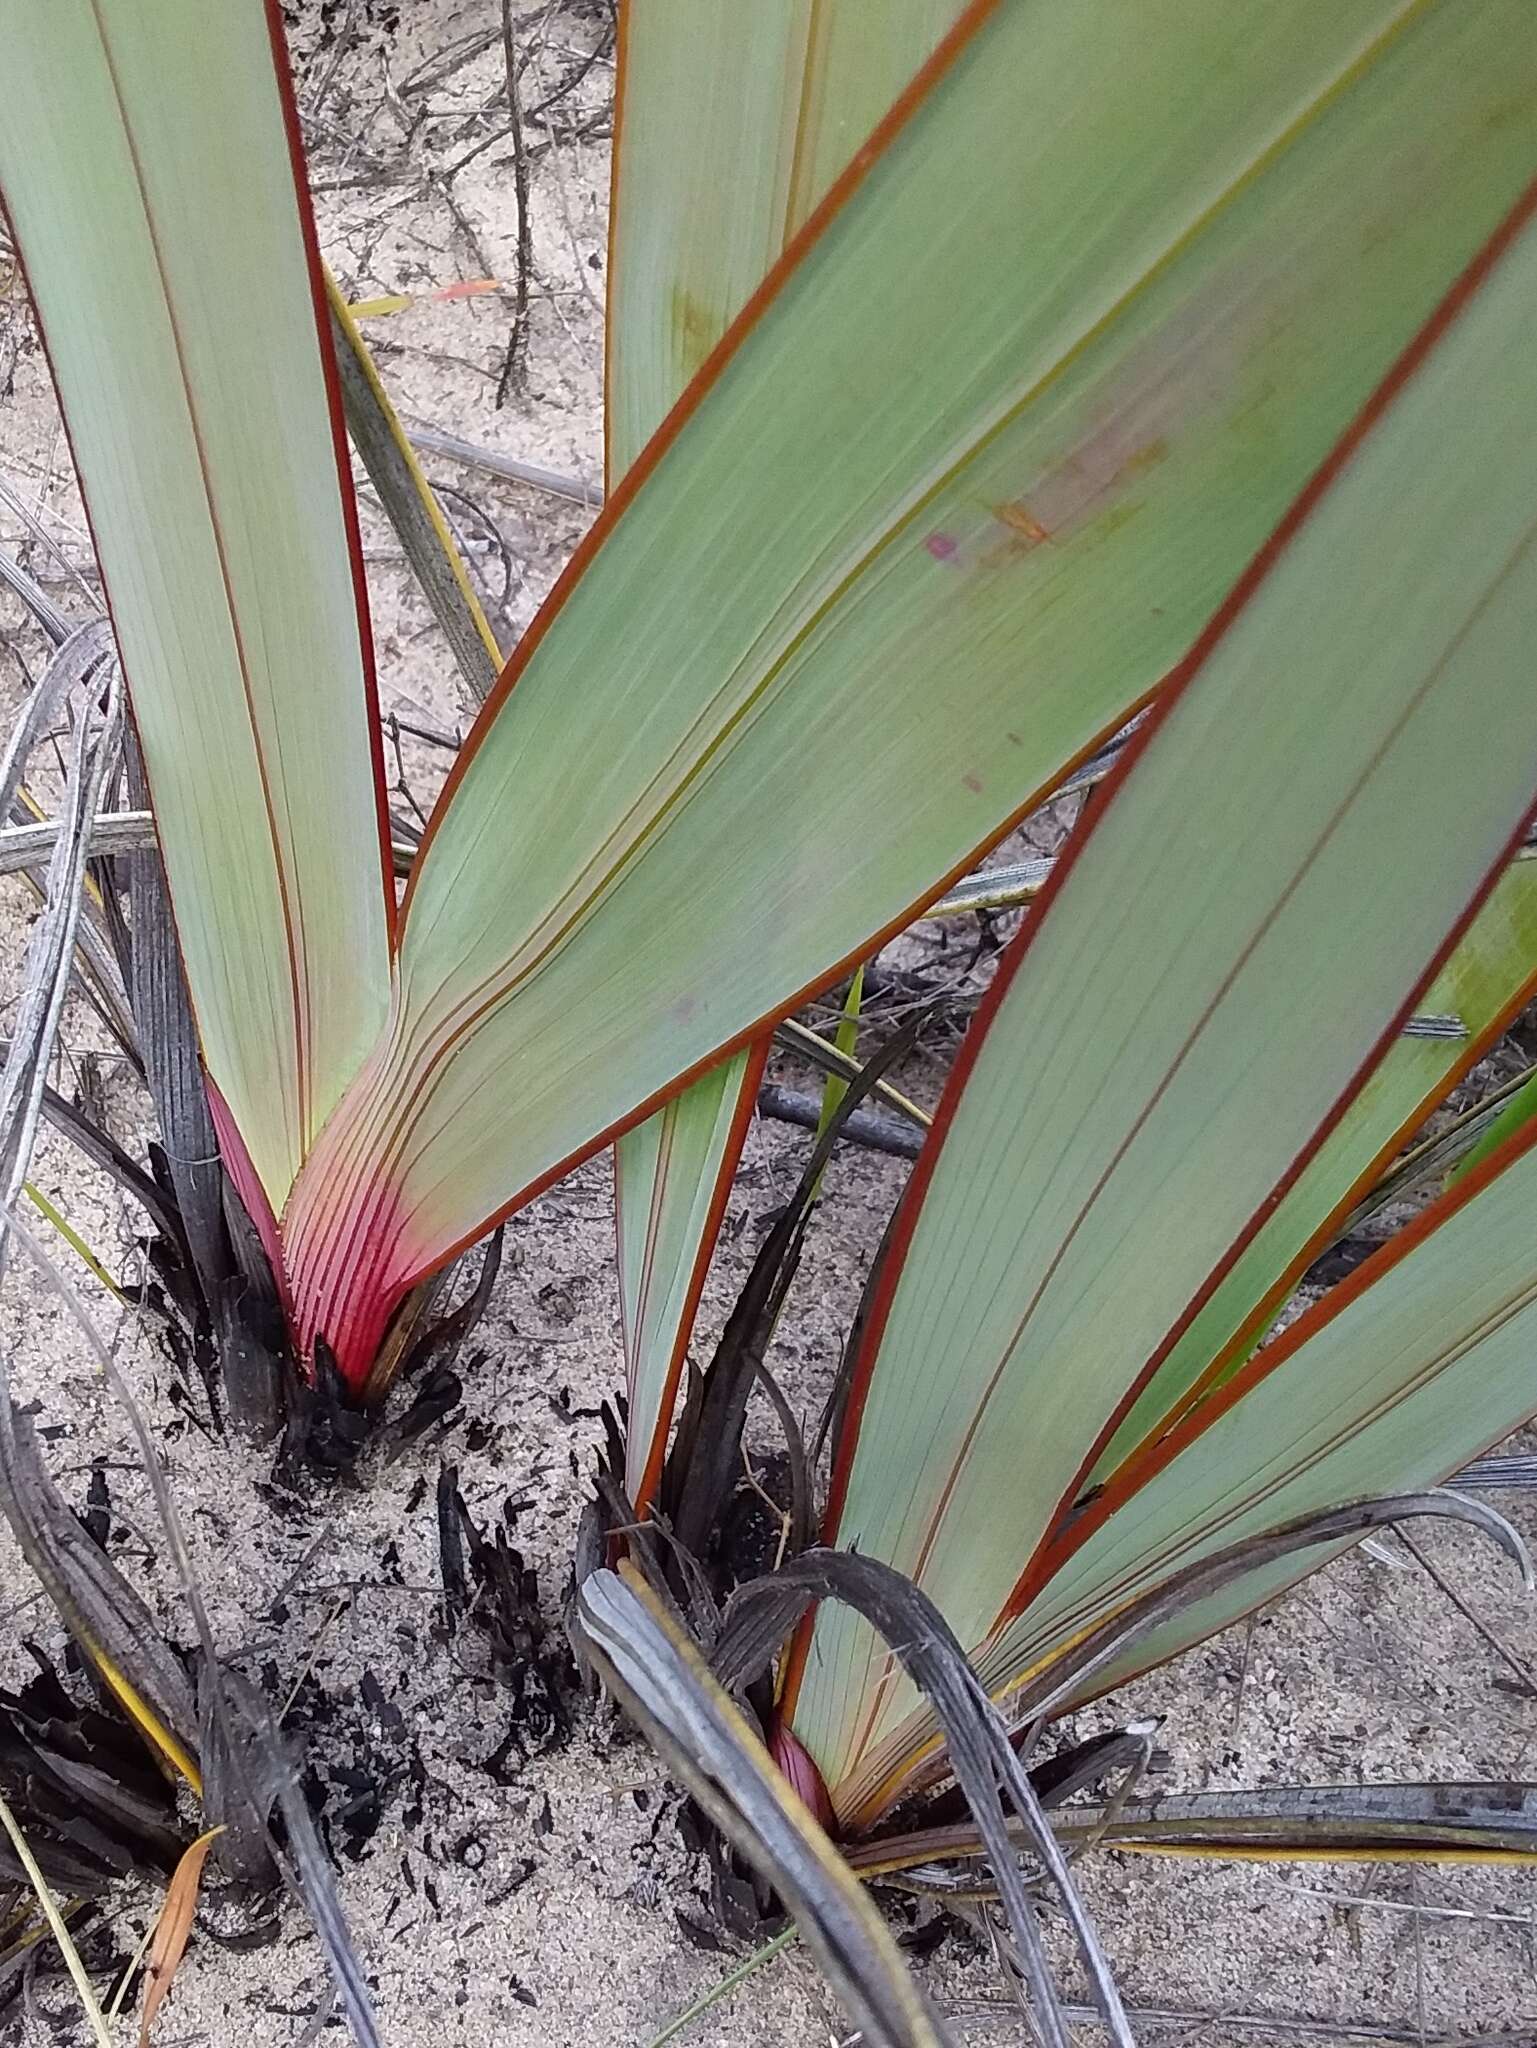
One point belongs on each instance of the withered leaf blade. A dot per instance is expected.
(664, 1685)
(174, 1075)
(1494, 1822)
(173, 1928)
(702, 1464)
(408, 503)
(1083, 1668)
(103, 1613)
(758, 1616)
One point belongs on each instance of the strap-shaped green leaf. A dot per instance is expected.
(964, 491)
(731, 124)
(1216, 969)
(146, 169)
(1408, 1370)
(672, 1175)
(1491, 975)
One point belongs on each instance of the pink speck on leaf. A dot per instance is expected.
(973, 782)
(942, 546)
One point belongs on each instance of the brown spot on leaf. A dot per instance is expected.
(695, 330)
(1021, 522)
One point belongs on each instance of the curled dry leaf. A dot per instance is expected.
(174, 1928)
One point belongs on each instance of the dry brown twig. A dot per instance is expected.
(515, 365)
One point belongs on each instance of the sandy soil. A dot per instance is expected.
(546, 1897)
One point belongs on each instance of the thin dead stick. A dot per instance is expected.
(40, 533)
(132, 1971)
(1438, 1579)
(732, 1980)
(51, 946)
(338, 1608)
(1116, 1805)
(1244, 1669)
(25, 846)
(35, 598)
(1364, 1899)
(439, 68)
(1269, 2026)
(511, 468)
(56, 1926)
(876, 1133)
(1007, 1966)
(513, 366)
(1419, 1958)
(780, 1515)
